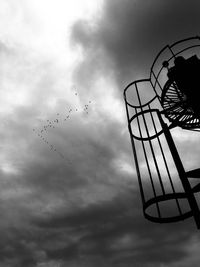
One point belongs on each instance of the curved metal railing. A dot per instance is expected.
(162, 178)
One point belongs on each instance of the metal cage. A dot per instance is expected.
(174, 102)
(167, 195)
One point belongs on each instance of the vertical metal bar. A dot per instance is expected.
(156, 81)
(182, 174)
(137, 169)
(165, 161)
(134, 154)
(148, 167)
(171, 51)
(151, 146)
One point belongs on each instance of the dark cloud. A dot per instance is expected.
(86, 211)
(131, 33)
(113, 230)
(123, 44)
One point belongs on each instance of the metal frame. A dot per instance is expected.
(186, 118)
(151, 129)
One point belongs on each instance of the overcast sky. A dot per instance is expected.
(69, 194)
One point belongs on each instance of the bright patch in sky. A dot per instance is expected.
(8, 168)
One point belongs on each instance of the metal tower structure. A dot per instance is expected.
(166, 100)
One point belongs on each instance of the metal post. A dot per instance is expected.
(182, 174)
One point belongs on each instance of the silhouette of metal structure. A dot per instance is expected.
(154, 106)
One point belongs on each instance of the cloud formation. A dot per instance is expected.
(83, 209)
(131, 33)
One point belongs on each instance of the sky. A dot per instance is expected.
(69, 194)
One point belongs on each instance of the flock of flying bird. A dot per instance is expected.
(51, 124)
